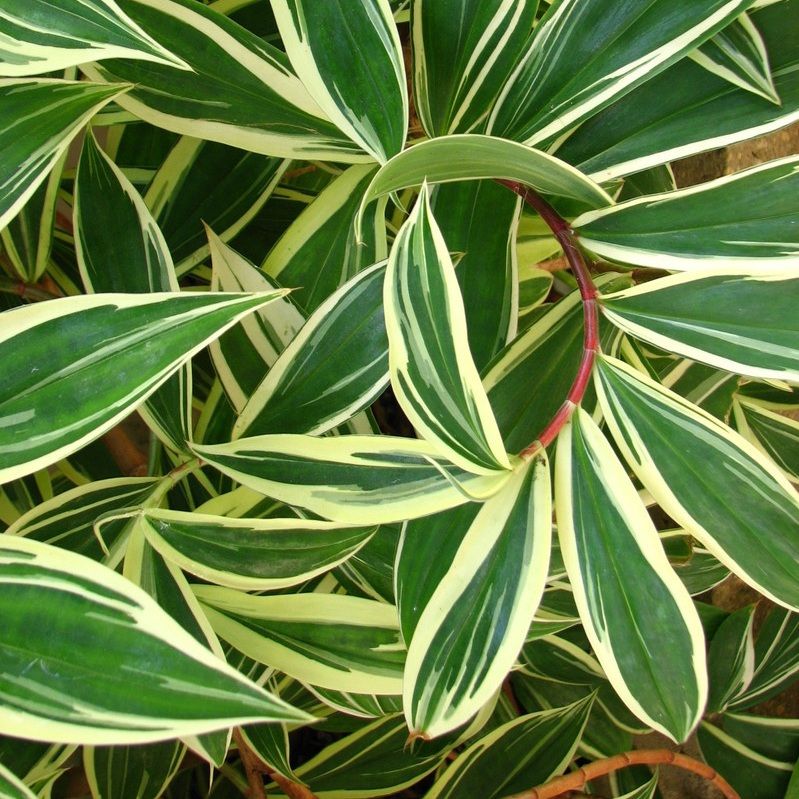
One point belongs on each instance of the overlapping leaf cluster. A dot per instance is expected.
(231, 217)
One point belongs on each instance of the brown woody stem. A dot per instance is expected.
(565, 236)
(253, 767)
(640, 757)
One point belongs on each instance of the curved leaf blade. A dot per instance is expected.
(774, 434)
(136, 677)
(12, 787)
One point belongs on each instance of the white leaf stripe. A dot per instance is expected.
(476, 620)
(12, 787)
(774, 434)
(39, 36)
(697, 499)
(432, 370)
(111, 705)
(603, 529)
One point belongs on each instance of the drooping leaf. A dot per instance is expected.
(349, 57)
(742, 510)
(624, 587)
(239, 91)
(350, 479)
(773, 433)
(336, 365)
(132, 772)
(75, 366)
(737, 54)
(136, 677)
(582, 57)
(40, 37)
(39, 120)
(251, 554)
(334, 641)
(477, 617)
(712, 316)
(432, 371)
(745, 219)
(462, 53)
(271, 743)
(731, 659)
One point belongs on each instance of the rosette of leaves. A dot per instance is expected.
(246, 221)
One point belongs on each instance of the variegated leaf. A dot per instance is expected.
(40, 36)
(251, 554)
(701, 315)
(752, 215)
(12, 787)
(239, 91)
(581, 58)
(462, 53)
(334, 641)
(357, 76)
(137, 675)
(623, 585)
(40, 119)
(432, 371)
(743, 510)
(774, 434)
(476, 620)
(351, 479)
(336, 365)
(76, 366)
(731, 659)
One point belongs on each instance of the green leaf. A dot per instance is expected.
(271, 743)
(480, 219)
(748, 219)
(350, 479)
(368, 706)
(474, 157)
(774, 434)
(432, 372)
(334, 641)
(462, 53)
(534, 287)
(374, 761)
(712, 316)
(519, 754)
(132, 772)
(40, 119)
(356, 76)
(731, 659)
(244, 354)
(623, 585)
(318, 252)
(737, 54)
(137, 675)
(239, 91)
(11, 787)
(743, 510)
(78, 365)
(203, 185)
(477, 617)
(581, 58)
(336, 365)
(251, 554)
(67, 519)
(39, 36)
(687, 110)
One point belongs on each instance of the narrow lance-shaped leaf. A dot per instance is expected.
(40, 36)
(350, 479)
(349, 57)
(12, 787)
(75, 366)
(568, 74)
(742, 510)
(774, 434)
(731, 659)
(239, 91)
(462, 53)
(751, 215)
(739, 55)
(623, 585)
(718, 317)
(432, 371)
(251, 554)
(135, 678)
(340, 642)
(472, 628)
(335, 366)
(40, 119)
